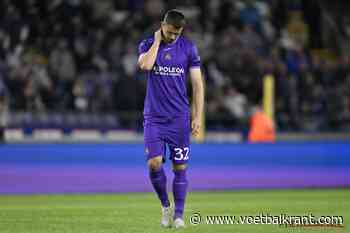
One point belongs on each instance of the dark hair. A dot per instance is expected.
(175, 18)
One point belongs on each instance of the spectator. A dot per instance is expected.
(236, 103)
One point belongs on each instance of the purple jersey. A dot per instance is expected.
(166, 86)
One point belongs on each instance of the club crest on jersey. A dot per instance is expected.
(167, 56)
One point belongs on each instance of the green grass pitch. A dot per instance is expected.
(140, 212)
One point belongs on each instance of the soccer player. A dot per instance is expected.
(168, 57)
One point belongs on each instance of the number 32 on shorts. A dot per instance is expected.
(181, 153)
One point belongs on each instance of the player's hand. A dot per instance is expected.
(196, 125)
(158, 35)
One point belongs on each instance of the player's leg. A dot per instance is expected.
(159, 182)
(155, 151)
(179, 140)
(158, 179)
(180, 185)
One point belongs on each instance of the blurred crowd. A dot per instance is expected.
(81, 55)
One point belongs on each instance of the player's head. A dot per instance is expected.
(172, 25)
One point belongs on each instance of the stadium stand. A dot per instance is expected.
(79, 57)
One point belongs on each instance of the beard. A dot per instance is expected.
(169, 40)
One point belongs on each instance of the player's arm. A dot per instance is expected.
(147, 59)
(198, 98)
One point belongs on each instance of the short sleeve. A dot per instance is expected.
(144, 46)
(195, 60)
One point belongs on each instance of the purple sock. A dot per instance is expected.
(179, 191)
(158, 179)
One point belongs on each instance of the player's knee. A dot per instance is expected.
(155, 163)
(179, 167)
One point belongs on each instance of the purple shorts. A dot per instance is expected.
(174, 132)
